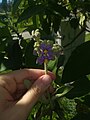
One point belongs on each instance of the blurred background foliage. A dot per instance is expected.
(19, 17)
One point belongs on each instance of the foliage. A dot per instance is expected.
(16, 52)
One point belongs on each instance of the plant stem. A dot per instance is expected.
(45, 67)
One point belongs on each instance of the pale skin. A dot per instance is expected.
(16, 101)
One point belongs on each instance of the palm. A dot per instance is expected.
(11, 93)
(12, 87)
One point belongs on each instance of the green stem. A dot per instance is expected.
(45, 67)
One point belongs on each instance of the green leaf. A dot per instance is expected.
(15, 5)
(31, 11)
(86, 100)
(82, 117)
(2, 46)
(85, 5)
(46, 26)
(56, 23)
(5, 36)
(14, 54)
(59, 110)
(58, 9)
(58, 79)
(31, 2)
(3, 20)
(78, 64)
(63, 90)
(60, 61)
(1, 58)
(30, 59)
(81, 88)
(74, 22)
(4, 32)
(52, 64)
(83, 111)
(38, 112)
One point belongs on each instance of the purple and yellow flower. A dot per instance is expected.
(45, 50)
(45, 53)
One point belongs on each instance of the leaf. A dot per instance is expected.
(52, 64)
(2, 46)
(15, 5)
(31, 11)
(74, 22)
(39, 112)
(46, 26)
(14, 54)
(60, 61)
(85, 5)
(83, 111)
(59, 110)
(87, 100)
(58, 9)
(30, 59)
(56, 23)
(1, 58)
(4, 32)
(78, 64)
(31, 2)
(58, 79)
(3, 19)
(63, 90)
(81, 88)
(82, 117)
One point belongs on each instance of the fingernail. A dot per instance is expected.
(46, 80)
(42, 84)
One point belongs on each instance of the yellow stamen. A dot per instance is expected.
(45, 51)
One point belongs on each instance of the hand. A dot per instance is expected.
(16, 101)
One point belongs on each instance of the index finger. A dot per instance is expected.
(31, 74)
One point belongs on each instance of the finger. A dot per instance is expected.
(11, 80)
(37, 89)
(51, 89)
(21, 90)
(32, 74)
(18, 94)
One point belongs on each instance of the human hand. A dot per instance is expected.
(16, 101)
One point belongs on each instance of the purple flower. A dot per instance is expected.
(40, 60)
(44, 46)
(45, 53)
(46, 50)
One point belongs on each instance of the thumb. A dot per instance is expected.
(36, 90)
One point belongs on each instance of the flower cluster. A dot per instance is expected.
(46, 50)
